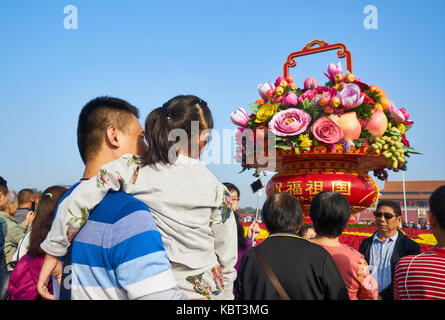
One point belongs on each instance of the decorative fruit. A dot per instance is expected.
(381, 93)
(290, 79)
(391, 147)
(328, 109)
(349, 78)
(279, 91)
(339, 77)
(378, 123)
(270, 93)
(283, 84)
(385, 102)
(350, 126)
(335, 102)
(323, 101)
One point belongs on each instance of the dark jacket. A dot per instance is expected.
(305, 270)
(404, 246)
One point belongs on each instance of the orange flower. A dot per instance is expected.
(260, 102)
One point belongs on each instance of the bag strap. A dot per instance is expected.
(270, 274)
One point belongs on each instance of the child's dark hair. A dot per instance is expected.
(177, 113)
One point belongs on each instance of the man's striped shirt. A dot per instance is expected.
(421, 276)
(118, 254)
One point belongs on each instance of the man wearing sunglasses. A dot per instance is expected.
(386, 246)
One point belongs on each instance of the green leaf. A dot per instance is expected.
(253, 107)
(283, 146)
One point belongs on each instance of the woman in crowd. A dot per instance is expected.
(23, 280)
(330, 212)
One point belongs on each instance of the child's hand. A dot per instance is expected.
(253, 228)
(51, 267)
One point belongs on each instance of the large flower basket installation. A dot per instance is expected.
(323, 137)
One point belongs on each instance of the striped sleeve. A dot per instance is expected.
(138, 256)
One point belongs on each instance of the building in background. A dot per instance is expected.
(417, 196)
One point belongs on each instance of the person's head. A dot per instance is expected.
(13, 202)
(388, 216)
(437, 209)
(282, 213)
(234, 194)
(330, 213)
(44, 218)
(25, 198)
(181, 125)
(3, 194)
(307, 231)
(109, 126)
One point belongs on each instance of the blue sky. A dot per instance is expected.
(147, 52)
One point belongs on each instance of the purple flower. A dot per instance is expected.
(240, 117)
(350, 96)
(263, 88)
(333, 70)
(396, 114)
(289, 122)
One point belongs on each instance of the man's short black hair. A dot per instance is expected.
(389, 203)
(437, 205)
(94, 119)
(3, 186)
(330, 213)
(282, 213)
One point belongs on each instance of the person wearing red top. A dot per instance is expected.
(422, 277)
(330, 212)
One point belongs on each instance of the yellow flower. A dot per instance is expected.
(306, 142)
(401, 128)
(266, 111)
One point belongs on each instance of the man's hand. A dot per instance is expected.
(51, 267)
(30, 216)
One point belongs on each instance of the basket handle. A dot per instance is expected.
(311, 49)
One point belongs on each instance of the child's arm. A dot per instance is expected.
(226, 240)
(74, 210)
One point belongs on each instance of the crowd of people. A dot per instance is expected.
(154, 223)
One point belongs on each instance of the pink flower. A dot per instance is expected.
(289, 122)
(290, 99)
(350, 96)
(310, 83)
(396, 114)
(263, 88)
(406, 115)
(327, 131)
(240, 117)
(318, 91)
(333, 70)
(278, 80)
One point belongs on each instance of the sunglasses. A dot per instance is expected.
(387, 215)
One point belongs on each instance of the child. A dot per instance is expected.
(192, 209)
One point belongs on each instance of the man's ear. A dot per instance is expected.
(433, 221)
(111, 137)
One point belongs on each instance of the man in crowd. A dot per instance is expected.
(301, 270)
(25, 204)
(386, 246)
(118, 253)
(423, 276)
(12, 231)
